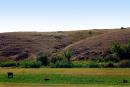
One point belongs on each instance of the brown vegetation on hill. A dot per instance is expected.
(26, 45)
(98, 45)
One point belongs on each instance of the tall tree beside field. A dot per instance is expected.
(68, 54)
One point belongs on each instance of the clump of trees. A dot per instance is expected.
(43, 58)
(118, 56)
(122, 51)
(30, 64)
(56, 60)
(61, 59)
(8, 63)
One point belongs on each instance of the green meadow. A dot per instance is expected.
(65, 77)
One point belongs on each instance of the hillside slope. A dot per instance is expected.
(23, 45)
(98, 45)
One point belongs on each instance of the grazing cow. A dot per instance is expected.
(10, 74)
(46, 78)
(125, 81)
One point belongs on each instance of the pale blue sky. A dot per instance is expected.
(58, 15)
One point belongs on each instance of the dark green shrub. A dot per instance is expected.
(8, 64)
(124, 63)
(86, 64)
(79, 64)
(122, 51)
(43, 59)
(93, 65)
(97, 59)
(116, 48)
(57, 57)
(109, 65)
(125, 53)
(52, 65)
(63, 64)
(30, 64)
(61, 59)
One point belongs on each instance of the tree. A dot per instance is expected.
(62, 59)
(116, 48)
(68, 54)
(57, 57)
(43, 58)
(122, 51)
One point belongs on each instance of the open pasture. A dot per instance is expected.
(65, 77)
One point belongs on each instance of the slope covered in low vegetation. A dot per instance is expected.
(90, 48)
(28, 45)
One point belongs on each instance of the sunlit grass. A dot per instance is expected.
(70, 71)
(64, 76)
(59, 85)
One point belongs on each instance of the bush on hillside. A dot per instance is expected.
(109, 65)
(93, 65)
(62, 59)
(63, 64)
(122, 51)
(116, 48)
(97, 59)
(30, 64)
(68, 54)
(124, 64)
(8, 64)
(79, 64)
(43, 58)
(57, 57)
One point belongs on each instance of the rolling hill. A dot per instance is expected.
(84, 43)
(98, 45)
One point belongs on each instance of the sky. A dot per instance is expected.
(63, 15)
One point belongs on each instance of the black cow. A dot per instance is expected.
(125, 81)
(10, 74)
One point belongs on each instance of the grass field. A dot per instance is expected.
(60, 85)
(65, 77)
